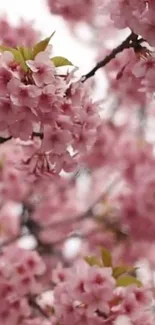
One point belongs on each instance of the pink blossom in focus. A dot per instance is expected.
(42, 68)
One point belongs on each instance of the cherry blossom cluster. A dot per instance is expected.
(92, 296)
(130, 78)
(128, 208)
(139, 17)
(52, 134)
(14, 186)
(22, 34)
(89, 12)
(19, 277)
(76, 11)
(98, 293)
(34, 94)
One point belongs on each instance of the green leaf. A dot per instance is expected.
(19, 58)
(126, 280)
(106, 257)
(60, 61)
(26, 53)
(119, 270)
(41, 46)
(93, 260)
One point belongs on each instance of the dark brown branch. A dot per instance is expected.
(38, 134)
(2, 140)
(130, 42)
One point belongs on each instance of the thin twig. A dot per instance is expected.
(130, 42)
(3, 140)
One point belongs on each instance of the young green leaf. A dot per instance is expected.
(120, 270)
(19, 59)
(126, 280)
(106, 257)
(17, 56)
(26, 53)
(93, 260)
(41, 46)
(60, 61)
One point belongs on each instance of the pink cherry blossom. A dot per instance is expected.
(77, 172)
(9, 221)
(23, 33)
(145, 71)
(140, 19)
(42, 68)
(47, 98)
(23, 95)
(5, 77)
(56, 140)
(73, 11)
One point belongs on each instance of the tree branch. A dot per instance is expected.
(2, 140)
(130, 42)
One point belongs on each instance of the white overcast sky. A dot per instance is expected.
(64, 44)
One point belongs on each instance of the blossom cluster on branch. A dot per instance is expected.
(76, 168)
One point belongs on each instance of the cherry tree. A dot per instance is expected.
(73, 167)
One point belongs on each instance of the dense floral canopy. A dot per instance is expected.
(74, 168)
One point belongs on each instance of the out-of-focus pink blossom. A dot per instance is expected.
(23, 33)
